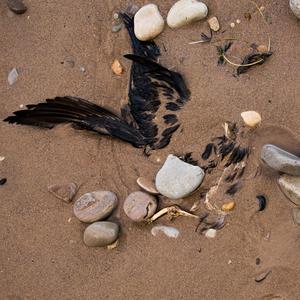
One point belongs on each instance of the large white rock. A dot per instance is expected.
(184, 12)
(290, 186)
(148, 22)
(177, 179)
(295, 7)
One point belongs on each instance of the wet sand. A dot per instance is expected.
(42, 255)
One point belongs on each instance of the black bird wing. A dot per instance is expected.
(155, 92)
(82, 114)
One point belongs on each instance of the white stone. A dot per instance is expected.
(251, 118)
(184, 12)
(211, 233)
(290, 186)
(214, 24)
(169, 231)
(177, 179)
(295, 7)
(12, 76)
(148, 22)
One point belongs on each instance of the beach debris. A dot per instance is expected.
(148, 22)
(117, 68)
(204, 38)
(132, 9)
(187, 157)
(116, 27)
(262, 202)
(169, 231)
(295, 7)
(229, 206)
(247, 16)
(251, 118)
(262, 276)
(17, 6)
(177, 179)
(222, 51)
(185, 12)
(147, 185)
(12, 76)
(280, 160)
(204, 224)
(257, 261)
(82, 69)
(139, 206)
(65, 192)
(290, 186)
(211, 233)
(3, 181)
(251, 60)
(233, 189)
(214, 24)
(172, 212)
(113, 246)
(95, 206)
(296, 215)
(101, 234)
(208, 151)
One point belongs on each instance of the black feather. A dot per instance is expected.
(170, 119)
(207, 152)
(233, 189)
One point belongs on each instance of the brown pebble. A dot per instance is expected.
(228, 206)
(147, 185)
(65, 192)
(214, 24)
(117, 68)
(139, 206)
(262, 276)
(262, 48)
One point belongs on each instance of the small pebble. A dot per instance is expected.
(21, 105)
(185, 12)
(214, 24)
(82, 69)
(296, 215)
(148, 22)
(169, 231)
(211, 233)
(100, 234)
(147, 185)
(262, 48)
(139, 206)
(177, 179)
(251, 118)
(232, 25)
(261, 277)
(229, 262)
(116, 16)
(281, 161)
(228, 206)
(65, 192)
(238, 21)
(257, 261)
(16, 6)
(117, 68)
(95, 206)
(117, 27)
(2, 158)
(12, 76)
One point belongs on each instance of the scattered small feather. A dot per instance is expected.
(207, 152)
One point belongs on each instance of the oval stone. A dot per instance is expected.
(280, 160)
(139, 206)
(295, 7)
(95, 206)
(184, 12)
(148, 22)
(101, 234)
(290, 186)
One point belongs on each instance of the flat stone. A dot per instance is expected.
(95, 206)
(16, 6)
(185, 12)
(65, 192)
(12, 76)
(101, 234)
(148, 22)
(251, 118)
(296, 215)
(139, 206)
(214, 24)
(280, 160)
(169, 231)
(295, 7)
(290, 186)
(178, 179)
(147, 185)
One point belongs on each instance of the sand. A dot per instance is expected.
(42, 255)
